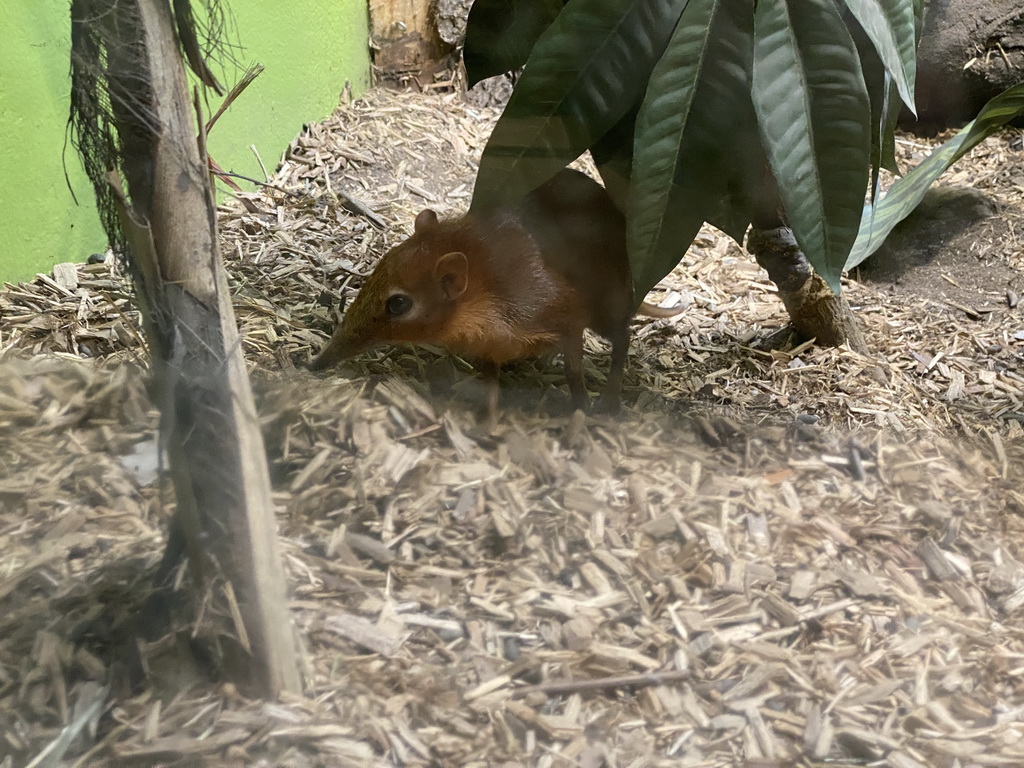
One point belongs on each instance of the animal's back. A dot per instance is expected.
(581, 236)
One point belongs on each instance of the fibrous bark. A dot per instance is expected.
(814, 310)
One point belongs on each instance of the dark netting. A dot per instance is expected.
(111, 122)
(91, 122)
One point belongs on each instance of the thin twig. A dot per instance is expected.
(250, 74)
(602, 683)
(259, 160)
(357, 206)
(223, 175)
(221, 172)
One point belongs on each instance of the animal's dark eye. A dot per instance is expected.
(398, 305)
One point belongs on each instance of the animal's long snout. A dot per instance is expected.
(341, 346)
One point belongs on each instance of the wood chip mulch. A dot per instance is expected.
(775, 557)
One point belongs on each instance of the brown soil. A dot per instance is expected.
(951, 249)
(970, 52)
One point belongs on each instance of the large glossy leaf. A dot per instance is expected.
(905, 193)
(813, 111)
(890, 26)
(613, 156)
(501, 33)
(583, 75)
(885, 104)
(884, 95)
(689, 156)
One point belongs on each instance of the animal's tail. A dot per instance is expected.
(650, 310)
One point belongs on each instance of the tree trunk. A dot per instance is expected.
(218, 462)
(814, 310)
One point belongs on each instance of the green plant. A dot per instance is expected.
(726, 111)
(904, 195)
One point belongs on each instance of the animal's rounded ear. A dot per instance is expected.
(427, 219)
(452, 273)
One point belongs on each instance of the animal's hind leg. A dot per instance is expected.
(611, 397)
(572, 350)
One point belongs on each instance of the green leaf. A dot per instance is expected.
(890, 26)
(884, 98)
(689, 160)
(501, 33)
(904, 195)
(813, 110)
(585, 72)
(883, 93)
(613, 156)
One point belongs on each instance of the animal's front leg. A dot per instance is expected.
(572, 351)
(492, 390)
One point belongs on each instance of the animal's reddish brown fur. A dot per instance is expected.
(532, 278)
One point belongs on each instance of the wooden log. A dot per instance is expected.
(218, 461)
(405, 40)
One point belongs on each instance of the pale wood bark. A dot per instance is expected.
(218, 462)
(392, 19)
(405, 40)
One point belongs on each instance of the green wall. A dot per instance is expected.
(309, 48)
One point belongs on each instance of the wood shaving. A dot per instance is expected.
(758, 564)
